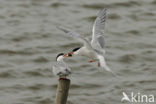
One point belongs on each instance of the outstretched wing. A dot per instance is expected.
(75, 36)
(98, 42)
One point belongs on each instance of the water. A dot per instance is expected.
(30, 41)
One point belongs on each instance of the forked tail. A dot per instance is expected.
(104, 65)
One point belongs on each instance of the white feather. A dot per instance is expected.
(103, 62)
(104, 65)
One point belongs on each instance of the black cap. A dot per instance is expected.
(75, 49)
(60, 54)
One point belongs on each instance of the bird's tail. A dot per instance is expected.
(104, 65)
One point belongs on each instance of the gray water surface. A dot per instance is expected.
(30, 41)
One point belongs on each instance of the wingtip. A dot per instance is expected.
(103, 11)
(62, 28)
(109, 70)
(114, 74)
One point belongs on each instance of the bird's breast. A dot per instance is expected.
(89, 53)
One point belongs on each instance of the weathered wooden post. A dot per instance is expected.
(62, 91)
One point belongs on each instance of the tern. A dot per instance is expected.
(94, 49)
(61, 69)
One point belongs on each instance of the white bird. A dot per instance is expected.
(61, 69)
(95, 48)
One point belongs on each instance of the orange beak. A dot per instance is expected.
(67, 55)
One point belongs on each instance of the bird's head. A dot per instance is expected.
(61, 56)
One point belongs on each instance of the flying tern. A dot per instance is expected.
(95, 48)
(61, 69)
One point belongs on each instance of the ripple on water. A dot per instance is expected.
(41, 60)
(110, 16)
(69, 45)
(113, 16)
(20, 38)
(148, 14)
(8, 74)
(127, 58)
(24, 5)
(153, 2)
(95, 6)
(34, 87)
(91, 18)
(85, 86)
(38, 100)
(57, 4)
(7, 51)
(38, 72)
(75, 86)
(33, 73)
(134, 17)
(134, 32)
(16, 52)
(147, 81)
(129, 84)
(126, 4)
(113, 5)
(45, 101)
(37, 87)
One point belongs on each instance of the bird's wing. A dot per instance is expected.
(61, 64)
(68, 70)
(98, 31)
(103, 62)
(64, 69)
(59, 68)
(75, 36)
(55, 70)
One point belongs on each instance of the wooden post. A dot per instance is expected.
(62, 91)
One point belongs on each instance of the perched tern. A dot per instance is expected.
(95, 48)
(61, 69)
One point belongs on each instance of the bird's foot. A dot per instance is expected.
(98, 64)
(90, 61)
(59, 78)
(62, 78)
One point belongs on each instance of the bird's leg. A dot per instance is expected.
(90, 61)
(64, 77)
(59, 78)
(98, 64)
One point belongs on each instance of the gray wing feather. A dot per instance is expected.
(101, 41)
(98, 31)
(61, 69)
(75, 35)
(55, 70)
(71, 33)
